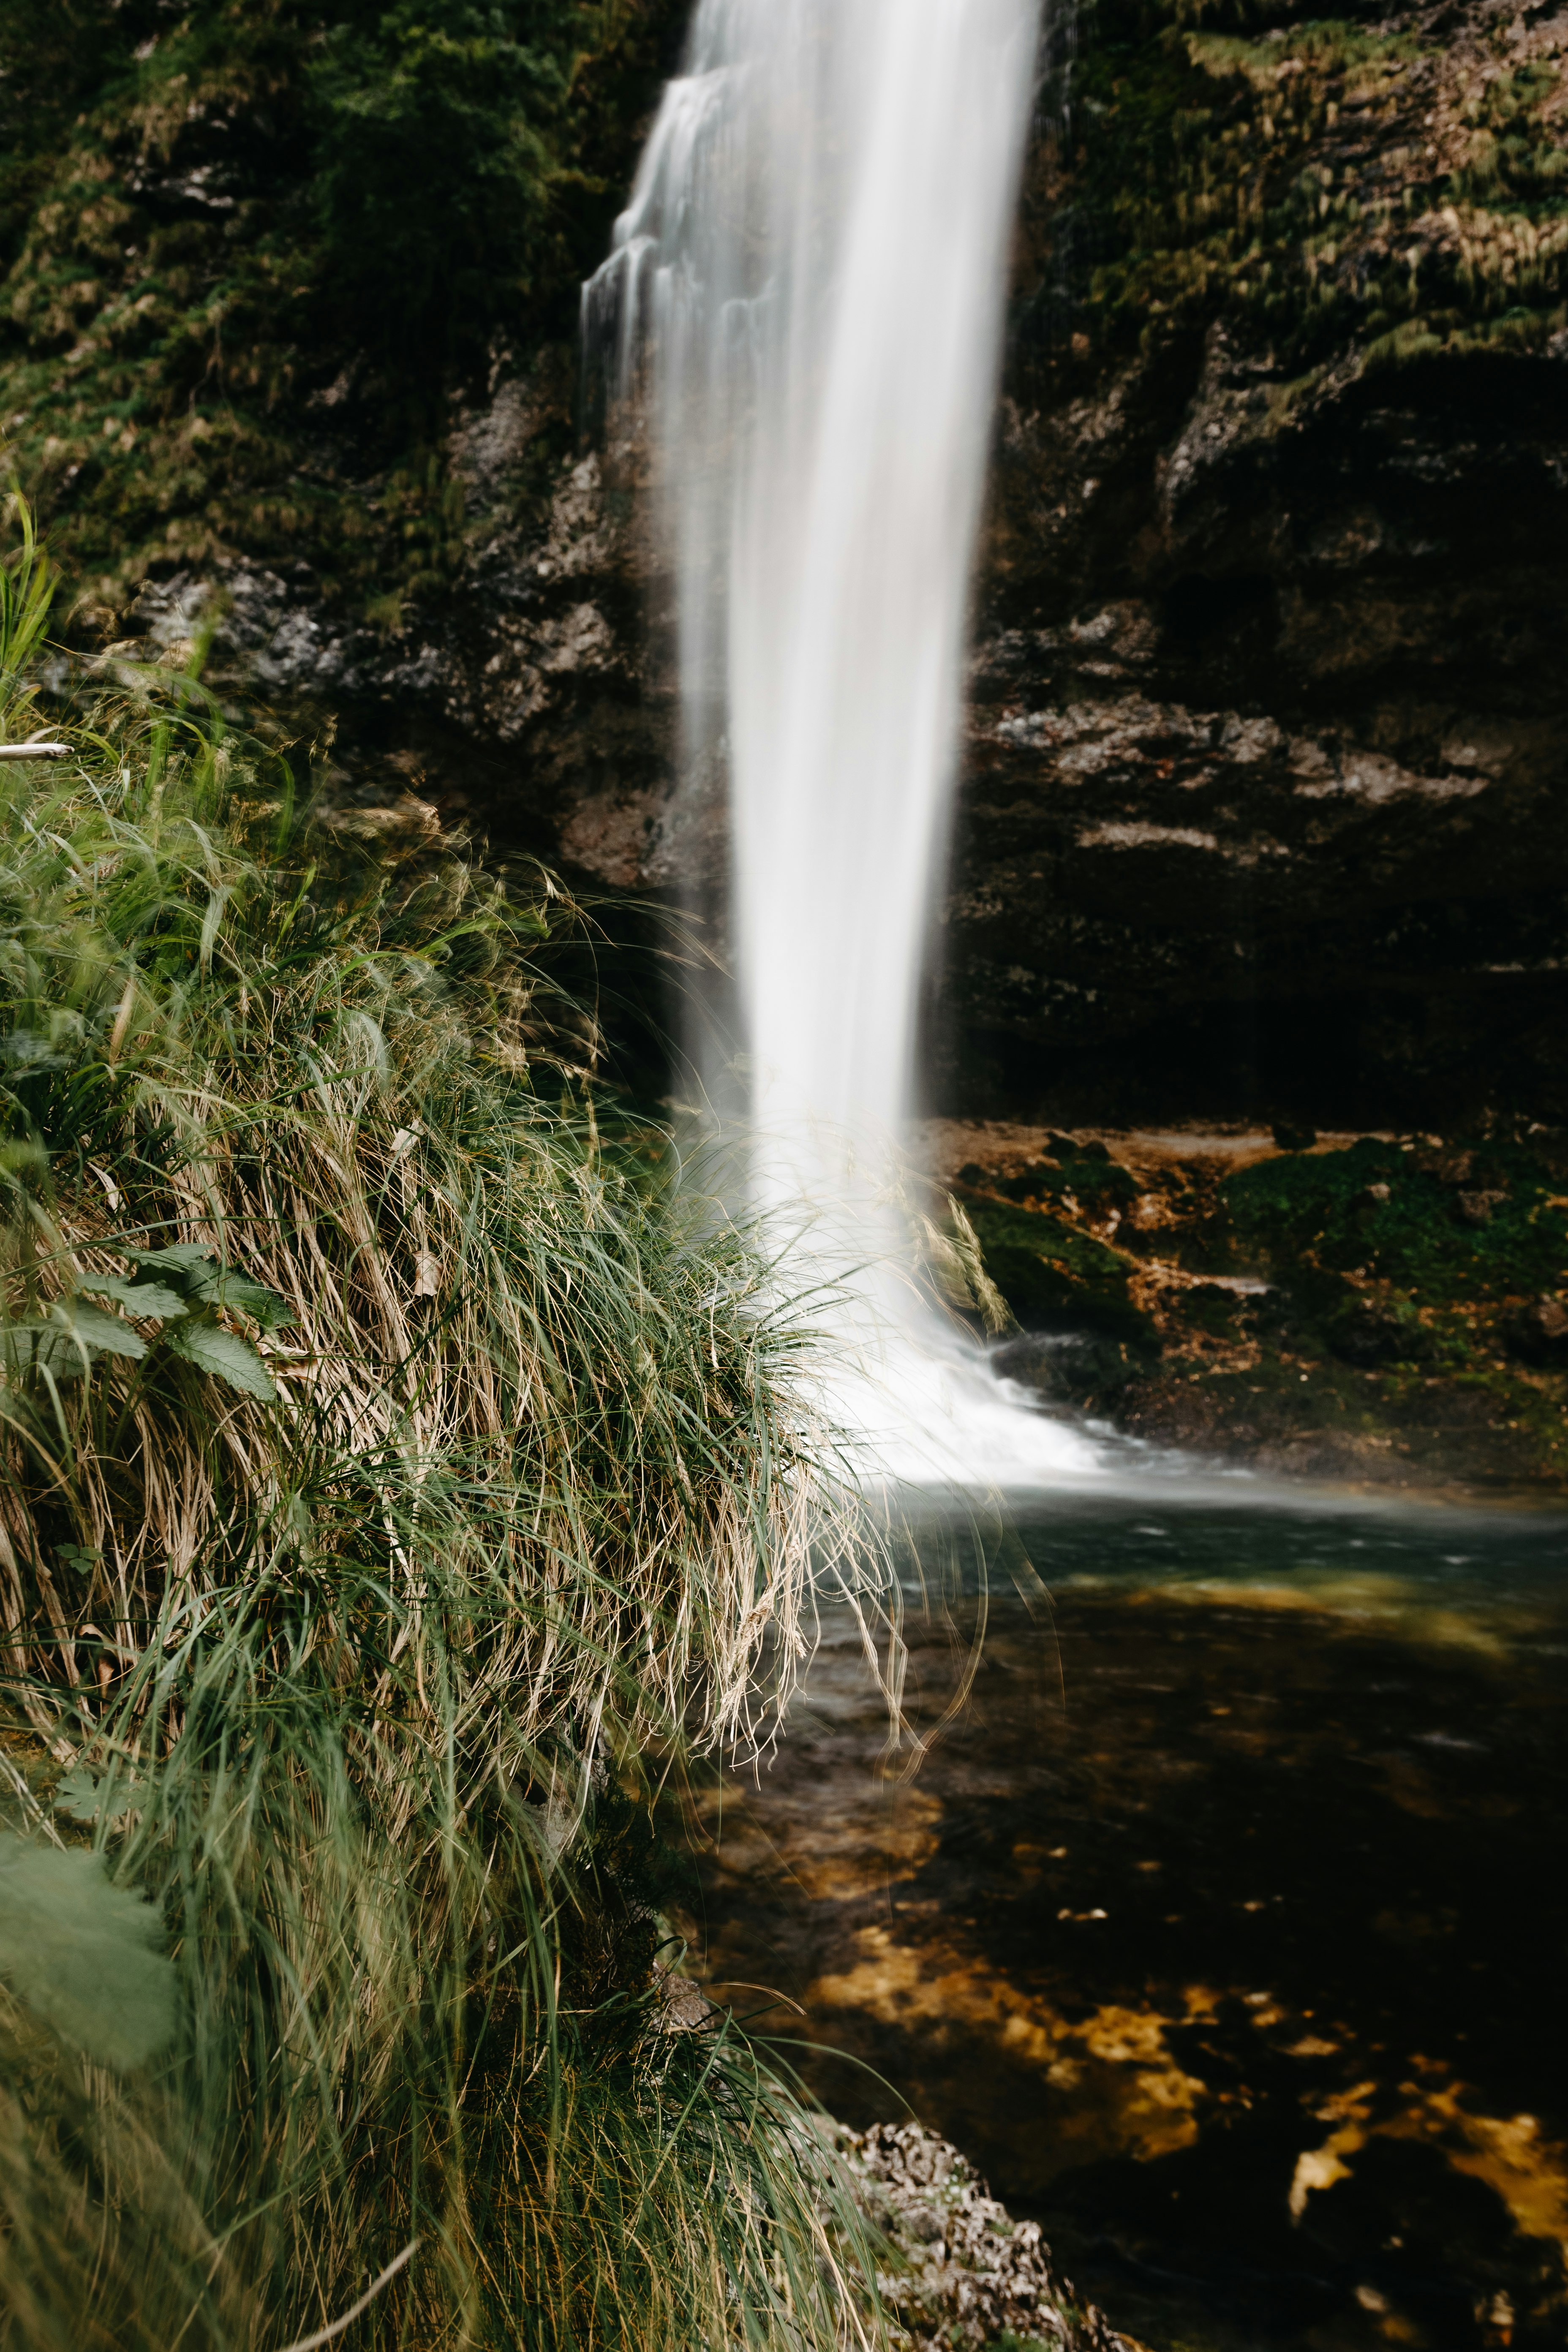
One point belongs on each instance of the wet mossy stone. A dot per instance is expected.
(1073, 1367)
(1211, 1306)
(1538, 1335)
(1089, 1174)
(1057, 1279)
(1372, 1333)
(1381, 1211)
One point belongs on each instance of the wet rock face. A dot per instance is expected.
(527, 698)
(1263, 809)
(1265, 790)
(1265, 794)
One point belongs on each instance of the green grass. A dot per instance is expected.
(394, 1485)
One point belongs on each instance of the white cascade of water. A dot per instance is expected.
(808, 284)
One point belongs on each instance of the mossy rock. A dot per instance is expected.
(1072, 1366)
(1210, 1308)
(1056, 1278)
(1473, 1223)
(1369, 1333)
(1084, 1172)
(1221, 166)
(1538, 1335)
(255, 259)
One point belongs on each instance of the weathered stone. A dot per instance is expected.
(1538, 1334)
(965, 2274)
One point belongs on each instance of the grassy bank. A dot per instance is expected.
(387, 1475)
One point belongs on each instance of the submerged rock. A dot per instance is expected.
(965, 2273)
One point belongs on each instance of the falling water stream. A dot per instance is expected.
(1218, 1924)
(808, 286)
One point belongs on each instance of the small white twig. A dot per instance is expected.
(34, 750)
(325, 2334)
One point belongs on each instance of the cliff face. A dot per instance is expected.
(1268, 811)
(1265, 801)
(1263, 805)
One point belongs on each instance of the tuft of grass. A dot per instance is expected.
(393, 1486)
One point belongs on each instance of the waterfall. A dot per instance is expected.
(805, 289)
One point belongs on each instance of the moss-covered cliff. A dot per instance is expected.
(1267, 799)
(1386, 185)
(259, 252)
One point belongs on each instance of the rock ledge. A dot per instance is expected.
(965, 2275)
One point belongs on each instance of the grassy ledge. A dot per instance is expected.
(388, 1476)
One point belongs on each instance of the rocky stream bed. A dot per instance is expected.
(1383, 1310)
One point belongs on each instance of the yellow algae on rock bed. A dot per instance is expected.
(1120, 2090)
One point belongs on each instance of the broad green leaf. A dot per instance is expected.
(18, 1345)
(84, 1954)
(263, 1305)
(65, 1343)
(41, 1347)
(137, 1298)
(192, 1268)
(81, 1798)
(199, 1277)
(224, 1353)
(92, 1328)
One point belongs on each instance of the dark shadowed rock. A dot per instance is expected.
(1537, 1334)
(1370, 1335)
(1070, 1367)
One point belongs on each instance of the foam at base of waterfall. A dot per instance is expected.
(867, 1272)
(928, 1412)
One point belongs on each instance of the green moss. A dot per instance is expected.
(1319, 1213)
(1053, 1277)
(251, 257)
(1219, 170)
(1079, 1175)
